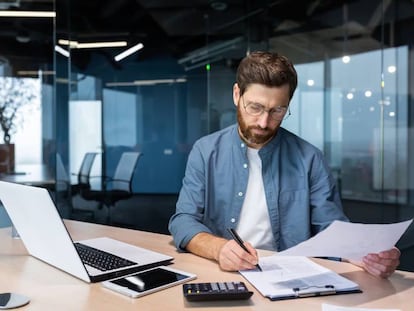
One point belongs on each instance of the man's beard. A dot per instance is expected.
(247, 133)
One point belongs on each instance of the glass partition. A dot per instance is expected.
(27, 77)
(353, 100)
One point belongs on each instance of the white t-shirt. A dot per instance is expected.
(254, 223)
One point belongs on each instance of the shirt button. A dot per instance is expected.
(233, 220)
(242, 145)
(245, 165)
(240, 194)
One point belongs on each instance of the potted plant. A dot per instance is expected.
(15, 93)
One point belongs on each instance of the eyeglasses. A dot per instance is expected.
(277, 113)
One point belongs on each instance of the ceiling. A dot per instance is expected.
(305, 30)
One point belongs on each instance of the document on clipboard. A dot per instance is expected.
(289, 277)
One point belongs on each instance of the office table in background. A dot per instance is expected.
(52, 289)
(32, 175)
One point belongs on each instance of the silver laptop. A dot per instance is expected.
(45, 237)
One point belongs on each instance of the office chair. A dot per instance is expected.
(63, 193)
(118, 187)
(84, 185)
(85, 171)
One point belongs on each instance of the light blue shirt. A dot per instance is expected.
(301, 193)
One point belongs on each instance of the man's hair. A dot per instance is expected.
(266, 68)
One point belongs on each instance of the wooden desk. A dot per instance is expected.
(52, 289)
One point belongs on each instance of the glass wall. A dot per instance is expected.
(27, 135)
(354, 103)
(357, 110)
(353, 100)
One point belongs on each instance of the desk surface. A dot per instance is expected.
(52, 289)
(30, 174)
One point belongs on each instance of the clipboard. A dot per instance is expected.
(314, 291)
(291, 277)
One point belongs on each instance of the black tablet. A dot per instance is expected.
(148, 281)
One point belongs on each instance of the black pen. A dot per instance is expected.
(239, 241)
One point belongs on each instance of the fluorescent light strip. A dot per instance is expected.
(211, 50)
(72, 44)
(129, 51)
(147, 82)
(62, 51)
(159, 81)
(27, 14)
(35, 73)
(91, 45)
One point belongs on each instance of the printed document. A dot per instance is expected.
(350, 240)
(285, 277)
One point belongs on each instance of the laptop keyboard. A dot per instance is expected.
(101, 260)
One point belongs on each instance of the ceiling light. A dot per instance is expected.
(311, 82)
(27, 14)
(346, 59)
(23, 38)
(35, 73)
(71, 43)
(392, 69)
(91, 45)
(211, 50)
(218, 5)
(147, 82)
(129, 51)
(62, 51)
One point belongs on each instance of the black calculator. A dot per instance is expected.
(216, 291)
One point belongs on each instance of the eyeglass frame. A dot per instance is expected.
(269, 111)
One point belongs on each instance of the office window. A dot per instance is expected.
(307, 105)
(371, 90)
(85, 133)
(22, 96)
(358, 117)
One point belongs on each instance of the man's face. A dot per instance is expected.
(260, 112)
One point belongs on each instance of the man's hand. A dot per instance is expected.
(382, 264)
(229, 254)
(233, 258)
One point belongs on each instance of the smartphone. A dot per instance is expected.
(148, 281)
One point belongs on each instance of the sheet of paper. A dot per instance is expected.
(350, 240)
(281, 274)
(329, 307)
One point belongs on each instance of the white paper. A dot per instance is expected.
(329, 307)
(281, 274)
(350, 240)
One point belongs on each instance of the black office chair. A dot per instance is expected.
(62, 189)
(84, 184)
(85, 171)
(116, 188)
